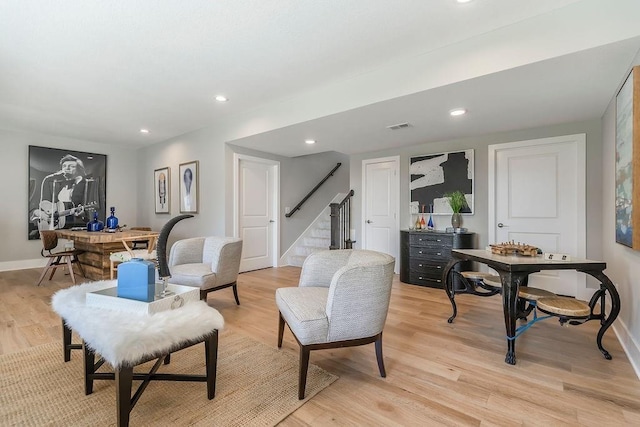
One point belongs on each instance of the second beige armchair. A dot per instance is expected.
(209, 263)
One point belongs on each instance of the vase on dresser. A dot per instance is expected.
(456, 220)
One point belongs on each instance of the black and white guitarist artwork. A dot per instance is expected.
(52, 216)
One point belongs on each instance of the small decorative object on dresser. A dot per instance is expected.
(457, 202)
(423, 256)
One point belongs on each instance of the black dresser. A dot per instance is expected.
(424, 255)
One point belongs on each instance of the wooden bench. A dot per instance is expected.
(126, 339)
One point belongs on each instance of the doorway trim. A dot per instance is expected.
(275, 166)
(396, 161)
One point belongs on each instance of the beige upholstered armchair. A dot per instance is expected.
(209, 263)
(341, 301)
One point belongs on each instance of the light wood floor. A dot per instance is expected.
(437, 373)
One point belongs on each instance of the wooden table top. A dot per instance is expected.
(102, 236)
(524, 263)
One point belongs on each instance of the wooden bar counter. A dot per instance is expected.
(98, 245)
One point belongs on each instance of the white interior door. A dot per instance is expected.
(380, 223)
(256, 207)
(537, 197)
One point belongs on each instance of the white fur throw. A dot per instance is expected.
(124, 338)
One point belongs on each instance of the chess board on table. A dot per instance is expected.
(512, 248)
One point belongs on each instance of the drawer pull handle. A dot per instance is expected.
(429, 279)
(438, 267)
(439, 240)
(419, 265)
(439, 253)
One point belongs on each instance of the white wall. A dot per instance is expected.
(215, 213)
(18, 251)
(623, 264)
(478, 222)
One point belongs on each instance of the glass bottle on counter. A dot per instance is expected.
(112, 221)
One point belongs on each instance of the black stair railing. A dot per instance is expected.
(341, 224)
(297, 207)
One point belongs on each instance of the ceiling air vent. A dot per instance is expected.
(399, 126)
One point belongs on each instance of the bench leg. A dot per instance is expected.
(124, 379)
(66, 341)
(89, 368)
(211, 357)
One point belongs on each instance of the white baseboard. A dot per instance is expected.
(629, 345)
(23, 264)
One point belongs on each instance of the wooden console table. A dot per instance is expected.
(514, 270)
(98, 245)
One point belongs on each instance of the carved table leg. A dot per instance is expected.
(607, 286)
(510, 285)
(448, 287)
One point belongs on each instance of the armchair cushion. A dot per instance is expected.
(304, 309)
(193, 274)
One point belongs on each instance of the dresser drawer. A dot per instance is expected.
(433, 253)
(423, 265)
(426, 279)
(430, 240)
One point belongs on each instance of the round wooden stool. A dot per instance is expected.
(474, 275)
(491, 280)
(564, 306)
(534, 294)
(475, 284)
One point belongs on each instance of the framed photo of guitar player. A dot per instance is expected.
(66, 188)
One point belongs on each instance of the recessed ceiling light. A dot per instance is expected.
(463, 1)
(144, 130)
(458, 112)
(221, 98)
(310, 141)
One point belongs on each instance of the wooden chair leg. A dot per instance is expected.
(44, 271)
(235, 293)
(383, 373)
(280, 330)
(70, 265)
(112, 268)
(304, 367)
(55, 265)
(77, 261)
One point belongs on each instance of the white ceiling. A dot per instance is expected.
(334, 70)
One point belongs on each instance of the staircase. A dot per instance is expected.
(316, 237)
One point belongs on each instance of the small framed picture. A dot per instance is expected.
(162, 190)
(189, 187)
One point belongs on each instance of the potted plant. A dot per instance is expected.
(457, 202)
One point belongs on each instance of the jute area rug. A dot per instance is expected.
(257, 385)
